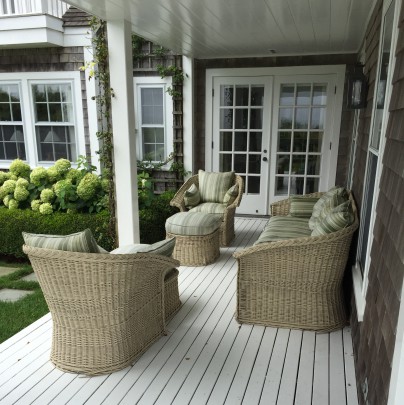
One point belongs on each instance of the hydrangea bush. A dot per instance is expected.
(58, 188)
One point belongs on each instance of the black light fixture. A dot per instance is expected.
(357, 89)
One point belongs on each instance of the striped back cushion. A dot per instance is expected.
(338, 218)
(302, 207)
(213, 186)
(329, 200)
(192, 197)
(231, 195)
(210, 208)
(76, 242)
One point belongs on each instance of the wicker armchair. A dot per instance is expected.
(295, 283)
(227, 226)
(106, 309)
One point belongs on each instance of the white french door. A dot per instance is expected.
(240, 141)
(303, 159)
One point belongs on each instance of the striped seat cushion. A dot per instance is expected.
(213, 186)
(302, 207)
(328, 201)
(193, 223)
(192, 197)
(338, 218)
(164, 247)
(210, 208)
(76, 242)
(283, 228)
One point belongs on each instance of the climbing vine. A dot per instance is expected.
(99, 70)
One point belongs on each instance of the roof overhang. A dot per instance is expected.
(239, 28)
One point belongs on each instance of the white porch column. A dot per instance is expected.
(123, 127)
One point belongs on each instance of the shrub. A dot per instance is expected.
(14, 222)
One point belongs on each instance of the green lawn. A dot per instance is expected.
(15, 316)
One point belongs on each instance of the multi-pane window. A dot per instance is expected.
(152, 123)
(54, 121)
(302, 111)
(12, 144)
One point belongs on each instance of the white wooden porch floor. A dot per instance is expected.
(205, 358)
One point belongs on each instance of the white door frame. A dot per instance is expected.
(337, 70)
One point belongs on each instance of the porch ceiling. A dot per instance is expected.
(239, 28)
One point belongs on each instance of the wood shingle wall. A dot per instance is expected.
(374, 338)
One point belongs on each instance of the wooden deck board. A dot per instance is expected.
(206, 357)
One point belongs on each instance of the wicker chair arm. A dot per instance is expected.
(178, 199)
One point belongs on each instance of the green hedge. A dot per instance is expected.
(14, 222)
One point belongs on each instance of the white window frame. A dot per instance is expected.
(361, 281)
(20, 123)
(154, 82)
(25, 80)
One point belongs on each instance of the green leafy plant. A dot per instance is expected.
(145, 190)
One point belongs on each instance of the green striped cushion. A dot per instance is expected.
(282, 228)
(231, 195)
(76, 242)
(164, 247)
(339, 218)
(210, 208)
(331, 199)
(193, 223)
(129, 249)
(302, 206)
(192, 196)
(213, 186)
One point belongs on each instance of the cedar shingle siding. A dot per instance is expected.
(374, 338)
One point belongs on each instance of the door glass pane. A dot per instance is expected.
(313, 164)
(285, 118)
(257, 95)
(298, 164)
(297, 185)
(320, 94)
(240, 143)
(282, 164)
(256, 119)
(254, 164)
(315, 141)
(226, 95)
(303, 94)
(284, 141)
(226, 141)
(312, 184)
(226, 119)
(299, 142)
(282, 185)
(225, 162)
(242, 95)
(241, 119)
(240, 163)
(302, 118)
(287, 94)
(253, 185)
(255, 141)
(317, 118)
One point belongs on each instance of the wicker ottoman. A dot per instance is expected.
(197, 237)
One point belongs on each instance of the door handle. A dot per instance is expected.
(265, 159)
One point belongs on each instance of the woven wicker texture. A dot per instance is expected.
(227, 227)
(295, 283)
(106, 309)
(196, 250)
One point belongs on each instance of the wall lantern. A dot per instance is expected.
(357, 89)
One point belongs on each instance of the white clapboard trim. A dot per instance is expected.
(321, 371)
(306, 369)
